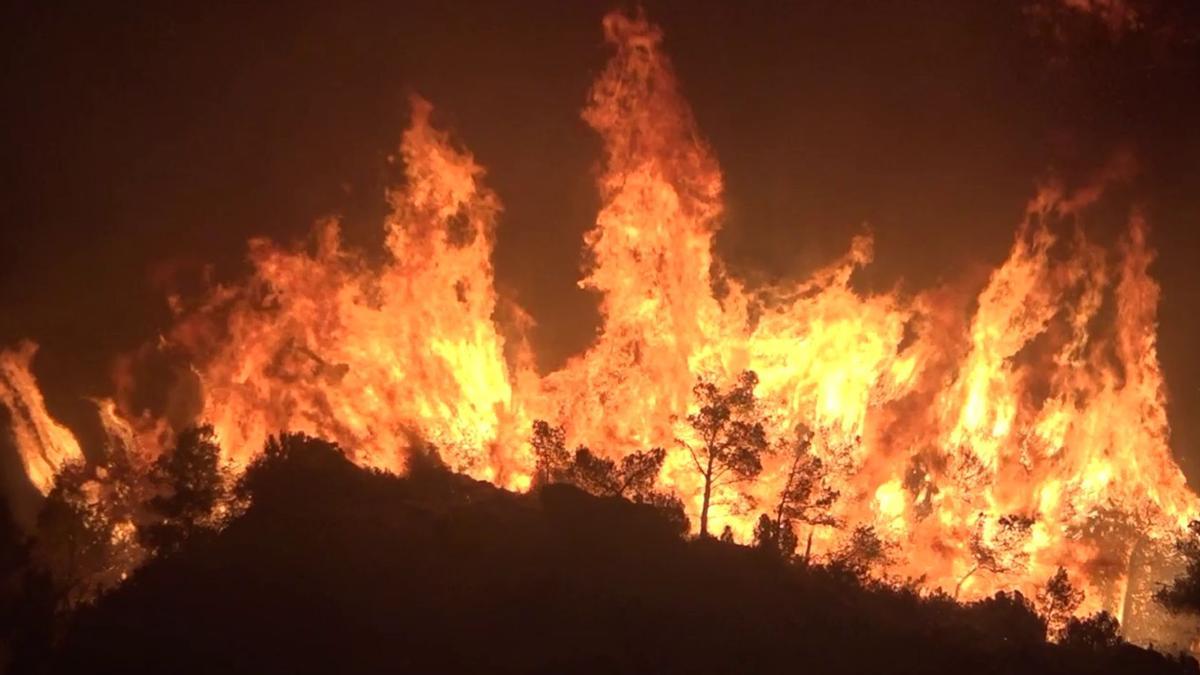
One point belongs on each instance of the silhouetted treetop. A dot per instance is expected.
(807, 497)
(193, 490)
(730, 436)
(1058, 601)
(634, 477)
(550, 450)
(864, 552)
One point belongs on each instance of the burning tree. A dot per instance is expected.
(193, 490)
(732, 440)
(1001, 551)
(1097, 632)
(1183, 594)
(632, 478)
(806, 497)
(78, 542)
(550, 450)
(1058, 600)
(864, 551)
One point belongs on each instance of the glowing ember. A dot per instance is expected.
(988, 446)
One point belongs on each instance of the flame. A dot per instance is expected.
(43, 444)
(321, 342)
(1046, 402)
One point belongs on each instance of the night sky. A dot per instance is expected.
(142, 144)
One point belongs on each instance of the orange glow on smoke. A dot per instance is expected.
(1046, 401)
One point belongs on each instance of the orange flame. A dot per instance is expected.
(44, 445)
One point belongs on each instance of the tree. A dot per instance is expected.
(774, 540)
(637, 475)
(806, 497)
(1005, 620)
(729, 427)
(550, 449)
(1183, 594)
(633, 478)
(593, 474)
(1058, 600)
(193, 490)
(74, 537)
(1097, 632)
(864, 551)
(1003, 551)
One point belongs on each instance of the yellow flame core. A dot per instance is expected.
(937, 423)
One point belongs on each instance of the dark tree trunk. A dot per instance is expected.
(963, 580)
(707, 496)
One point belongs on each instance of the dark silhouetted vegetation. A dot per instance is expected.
(864, 552)
(192, 490)
(1058, 601)
(806, 497)
(333, 568)
(77, 542)
(731, 436)
(1183, 595)
(633, 478)
(1098, 632)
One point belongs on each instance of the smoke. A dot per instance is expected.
(1119, 16)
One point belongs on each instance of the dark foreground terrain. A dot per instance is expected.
(334, 569)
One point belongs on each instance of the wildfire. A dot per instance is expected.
(1045, 405)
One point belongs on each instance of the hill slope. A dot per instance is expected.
(337, 569)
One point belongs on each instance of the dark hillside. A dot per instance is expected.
(337, 569)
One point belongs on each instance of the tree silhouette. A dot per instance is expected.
(806, 497)
(1058, 600)
(864, 551)
(633, 478)
(272, 473)
(593, 474)
(74, 536)
(193, 490)
(1008, 618)
(638, 474)
(550, 449)
(729, 426)
(1183, 594)
(774, 540)
(1003, 552)
(1096, 632)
